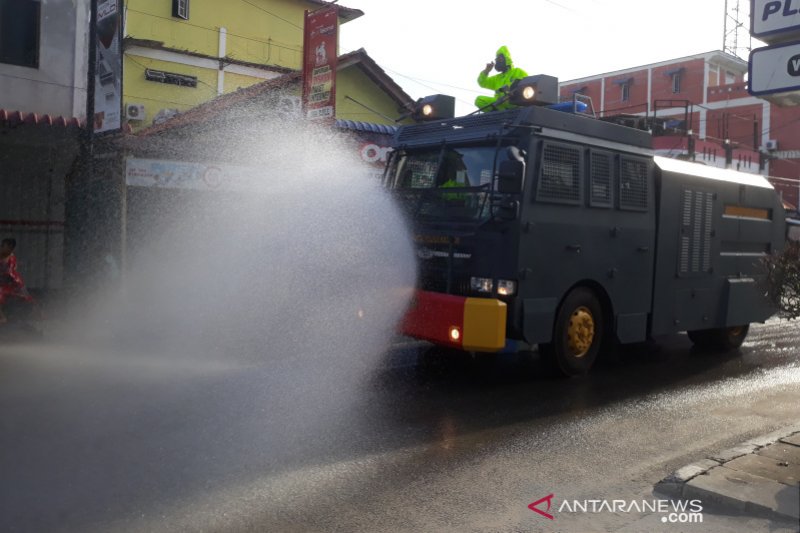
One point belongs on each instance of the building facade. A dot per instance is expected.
(705, 96)
(181, 53)
(43, 51)
(177, 56)
(43, 72)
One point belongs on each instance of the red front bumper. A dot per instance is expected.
(477, 324)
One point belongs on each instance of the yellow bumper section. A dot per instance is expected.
(484, 324)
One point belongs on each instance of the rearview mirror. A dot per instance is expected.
(509, 176)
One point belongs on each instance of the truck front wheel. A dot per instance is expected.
(722, 339)
(577, 334)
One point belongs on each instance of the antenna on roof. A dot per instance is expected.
(736, 35)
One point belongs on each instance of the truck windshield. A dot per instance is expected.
(453, 183)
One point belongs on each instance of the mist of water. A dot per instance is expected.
(236, 346)
(309, 262)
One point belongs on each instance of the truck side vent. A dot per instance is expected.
(633, 184)
(560, 178)
(600, 180)
(695, 239)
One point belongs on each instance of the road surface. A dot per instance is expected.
(99, 438)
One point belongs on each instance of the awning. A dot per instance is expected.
(17, 117)
(368, 127)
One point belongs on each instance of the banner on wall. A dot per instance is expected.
(108, 67)
(320, 39)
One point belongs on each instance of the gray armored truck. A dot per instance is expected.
(536, 226)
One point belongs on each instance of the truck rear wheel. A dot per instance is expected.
(577, 334)
(722, 339)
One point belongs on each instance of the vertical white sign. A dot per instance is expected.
(108, 67)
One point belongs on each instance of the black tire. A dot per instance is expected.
(577, 333)
(719, 339)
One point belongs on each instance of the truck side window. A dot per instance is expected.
(560, 175)
(601, 165)
(633, 184)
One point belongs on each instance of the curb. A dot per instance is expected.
(726, 489)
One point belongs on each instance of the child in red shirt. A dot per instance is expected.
(11, 284)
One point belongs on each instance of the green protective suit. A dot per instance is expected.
(452, 196)
(499, 81)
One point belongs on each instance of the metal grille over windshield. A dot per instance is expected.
(452, 183)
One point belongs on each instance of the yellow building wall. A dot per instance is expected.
(269, 33)
(260, 32)
(238, 81)
(266, 33)
(354, 83)
(155, 95)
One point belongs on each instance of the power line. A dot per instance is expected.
(45, 82)
(215, 30)
(434, 82)
(158, 100)
(677, 145)
(273, 14)
(348, 97)
(559, 5)
(426, 85)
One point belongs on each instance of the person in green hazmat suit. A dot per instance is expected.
(507, 74)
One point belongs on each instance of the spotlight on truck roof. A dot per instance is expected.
(435, 107)
(535, 90)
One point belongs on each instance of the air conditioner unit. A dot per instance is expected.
(134, 111)
(771, 144)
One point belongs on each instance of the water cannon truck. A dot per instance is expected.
(541, 225)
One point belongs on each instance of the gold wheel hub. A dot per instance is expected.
(580, 332)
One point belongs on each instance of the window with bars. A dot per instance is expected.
(180, 9)
(600, 179)
(560, 175)
(633, 184)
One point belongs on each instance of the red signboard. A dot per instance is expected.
(319, 63)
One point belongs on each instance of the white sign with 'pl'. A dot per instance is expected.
(775, 69)
(772, 20)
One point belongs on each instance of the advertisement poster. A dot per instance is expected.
(164, 174)
(319, 63)
(108, 67)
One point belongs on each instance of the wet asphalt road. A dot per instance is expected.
(95, 439)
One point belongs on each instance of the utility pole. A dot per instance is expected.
(728, 153)
(90, 87)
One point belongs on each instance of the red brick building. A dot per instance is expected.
(703, 99)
